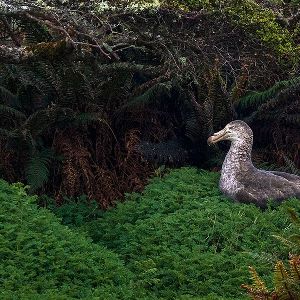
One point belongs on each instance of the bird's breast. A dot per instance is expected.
(229, 184)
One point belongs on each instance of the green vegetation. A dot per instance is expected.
(42, 259)
(256, 19)
(286, 281)
(262, 24)
(182, 238)
(75, 211)
(94, 97)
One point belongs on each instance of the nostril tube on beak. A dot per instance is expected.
(210, 141)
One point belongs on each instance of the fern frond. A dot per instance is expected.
(89, 118)
(92, 118)
(47, 72)
(37, 168)
(258, 283)
(37, 122)
(43, 119)
(152, 96)
(7, 97)
(192, 127)
(294, 262)
(255, 99)
(9, 112)
(283, 240)
(34, 31)
(47, 77)
(293, 241)
(4, 133)
(26, 75)
(294, 217)
(257, 290)
(94, 108)
(281, 281)
(124, 67)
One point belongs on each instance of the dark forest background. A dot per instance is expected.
(101, 102)
(94, 98)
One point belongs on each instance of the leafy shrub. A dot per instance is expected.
(275, 112)
(253, 17)
(42, 259)
(286, 281)
(182, 239)
(74, 211)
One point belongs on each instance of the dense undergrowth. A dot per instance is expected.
(42, 259)
(179, 239)
(182, 239)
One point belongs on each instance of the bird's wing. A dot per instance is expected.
(246, 195)
(290, 177)
(260, 185)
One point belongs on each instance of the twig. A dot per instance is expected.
(47, 22)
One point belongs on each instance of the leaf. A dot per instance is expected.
(9, 112)
(37, 168)
(294, 217)
(7, 97)
(255, 99)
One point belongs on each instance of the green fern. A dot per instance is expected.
(89, 118)
(152, 96)
(286, 280)
(294, 217)
(255, 99)
(8, 134)
(7, 97)
(9, 112)
(34, 31)
(37, 168)
(43, 119)
(292, 241)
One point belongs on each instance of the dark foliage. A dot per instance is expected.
(275, 113)
(91, 102)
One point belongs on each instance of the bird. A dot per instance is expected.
(240, 180)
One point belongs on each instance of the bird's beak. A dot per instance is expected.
(218, 136)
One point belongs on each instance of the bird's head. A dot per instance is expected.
(234, 131)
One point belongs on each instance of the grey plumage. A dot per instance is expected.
(243, 182)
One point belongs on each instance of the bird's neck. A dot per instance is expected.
(241, 150)
(238, 157)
